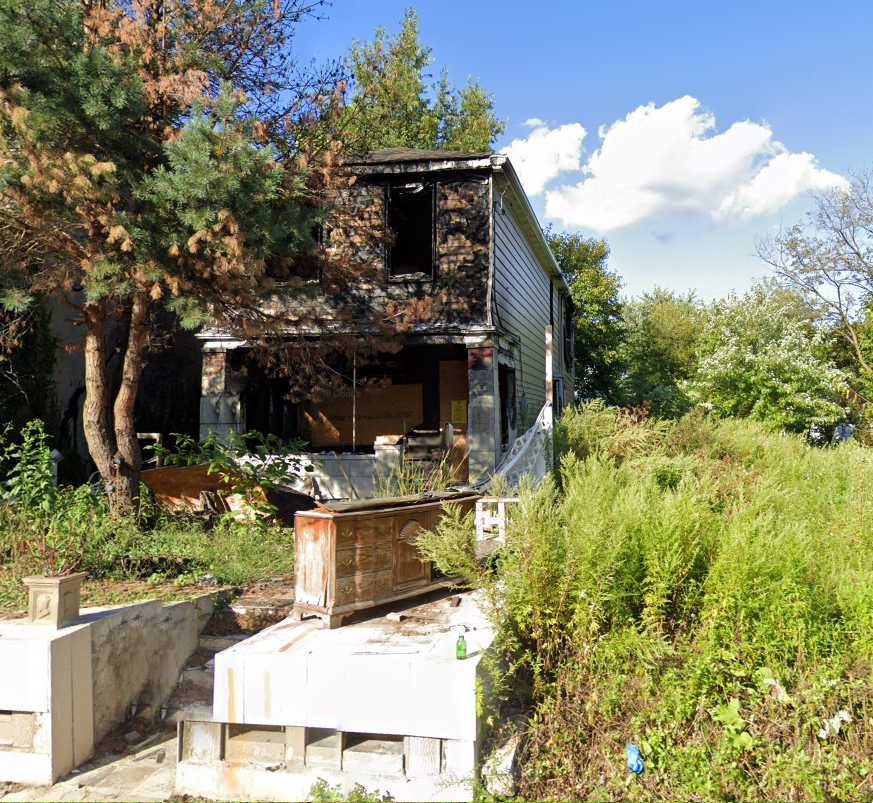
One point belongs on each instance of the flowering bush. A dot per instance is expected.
(759, 359)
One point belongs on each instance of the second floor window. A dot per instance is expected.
(411, 227)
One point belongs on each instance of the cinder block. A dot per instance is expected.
(200, 741)
(255, 744)
(375, 755)
(24, 730)
(459, 758)
(324, 748)
(295, 745)
(423, 756)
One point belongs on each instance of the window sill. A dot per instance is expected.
(408, 278)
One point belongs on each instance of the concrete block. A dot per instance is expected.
(25, 727)
(295, 745)
(375, 755)
(200, 741)
(24, 656)
(423, 756)
(61, 707)
(459, 757)
(255, 744)
(18, 766)
(83, 696)
(324, 748)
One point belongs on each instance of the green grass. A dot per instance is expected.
(155, 546)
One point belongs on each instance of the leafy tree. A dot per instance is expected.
(154, 153)
(828, 262)
(659, 352)
(759, 359)
(598, 321)
(393, 105)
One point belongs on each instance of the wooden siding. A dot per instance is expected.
(521, 304)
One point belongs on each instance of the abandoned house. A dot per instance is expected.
(453, 227)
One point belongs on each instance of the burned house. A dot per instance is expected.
(494, 345)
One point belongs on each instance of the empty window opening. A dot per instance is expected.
(508, 408)
(411, 225)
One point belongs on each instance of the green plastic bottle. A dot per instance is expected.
(461, 648)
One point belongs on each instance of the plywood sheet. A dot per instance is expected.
(392, 410)
(454, 392)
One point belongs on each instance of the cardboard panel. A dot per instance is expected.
(392, 410)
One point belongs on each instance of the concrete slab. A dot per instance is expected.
(379, 676)
(145, 776)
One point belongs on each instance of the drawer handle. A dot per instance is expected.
(347, 533)
(381, 555)
(383, 582)
(382, 528)
(346, 562)
(348, 589)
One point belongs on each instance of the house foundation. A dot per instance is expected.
(384, 703)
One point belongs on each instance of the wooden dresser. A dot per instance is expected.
(357, 555)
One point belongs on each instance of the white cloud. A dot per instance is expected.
(660, 161)
(782, 179)
(546, 153)
(532, 122)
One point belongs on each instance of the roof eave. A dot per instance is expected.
(528, 220)
(424, 166)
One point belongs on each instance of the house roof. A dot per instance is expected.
(399, 155)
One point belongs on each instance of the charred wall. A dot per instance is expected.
(358, 236)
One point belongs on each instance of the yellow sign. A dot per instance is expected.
(459, 412)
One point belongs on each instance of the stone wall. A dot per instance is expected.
(62, 690)
(137, 653)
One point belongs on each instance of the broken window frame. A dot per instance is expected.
(393, 191)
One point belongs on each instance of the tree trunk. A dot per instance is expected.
(114, 449)
(128, 457)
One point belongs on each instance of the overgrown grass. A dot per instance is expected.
(156, 545)
(701, 589)
(44, 528)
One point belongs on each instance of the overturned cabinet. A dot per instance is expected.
(356, 555)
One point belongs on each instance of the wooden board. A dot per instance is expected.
(392, 410)
(454, 393)
(180, 486)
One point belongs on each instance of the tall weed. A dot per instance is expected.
(703, 589)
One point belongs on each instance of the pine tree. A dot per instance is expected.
(154, 152)
(393, 105)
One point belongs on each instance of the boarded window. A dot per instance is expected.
(411, 226)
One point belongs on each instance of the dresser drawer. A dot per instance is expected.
(383, 583)
(346, 534)
(376, 530)
(362, 559)
(363, 586)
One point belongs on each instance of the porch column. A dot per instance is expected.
(483, 411)
(220, 407)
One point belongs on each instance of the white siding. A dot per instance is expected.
(521, 302)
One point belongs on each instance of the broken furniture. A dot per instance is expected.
(356, 555)
(196, 488)
(382, 703)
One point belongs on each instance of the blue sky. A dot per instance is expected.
(716, 119)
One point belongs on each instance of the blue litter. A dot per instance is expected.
(634, 760)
